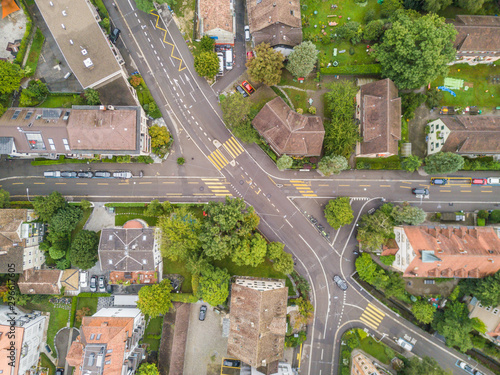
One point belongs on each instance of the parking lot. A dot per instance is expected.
(205, 347)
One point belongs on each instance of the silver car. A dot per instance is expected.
(340, 283)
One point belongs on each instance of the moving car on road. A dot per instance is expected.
(420, 191)
(248, 87)
(93, 284)
(340, 283)
(203, 312)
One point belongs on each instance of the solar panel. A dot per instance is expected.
(51, 114)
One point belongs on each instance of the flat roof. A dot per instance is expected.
(80, 39)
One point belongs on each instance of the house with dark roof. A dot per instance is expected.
(379, 115)
(80, 131)
(40, 281)
(465, 135)
(258, 322)
(277, 22)
(288, 132)
(446, 251)
(108, 343)
(216, 18)
(477, 40)
(131, 254)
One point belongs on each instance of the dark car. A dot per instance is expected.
(241, 91)
(479, 181)
(420, 191)
(59, 371)
(86, 174)
(102, 174)
(231, 363)
(203, 312)
(113, 37)
(248, 87)
(340, 283)
(102, 284)
(68, 174)
(109, 289)
(93, 284)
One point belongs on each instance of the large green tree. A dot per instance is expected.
(83, 252)
(416, 49)
(92, 96)
(266, 66)
(4, 198)
(407, 214)
(147, 369)
(284, 162)
(66, 219)
(214, 285)
(411, 163)
(471, 6)
(374, 230)
(389, 7)
(436, 5)
(373, 30)
(443, 162)
(369, 271)
(284, 263)
(155, 300)
(34, 93)
(424, 366)
(302, 59)
(235, 110)
(46, 207)
(338, 212)
(250, 251)
(207, 43)
(206, 64)
(10, 77)
(332, 164)
(487, 289)
(423, 311)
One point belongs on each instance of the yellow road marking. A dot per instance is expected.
(220, 191)
(223, 195)
(370, 307)
(344, 185)
(81, 183)
(17, 183)
(169, 182)
(218, 155)
(303, 187)
(384, 185)
(298, 185)
(60, 183)
(170, 44)
(145, 183)
(193, 182)
(123, 183)
(310, 195)
(300, 355)
(102, 183)
(405, 187)
(323, 185)
(229, 151)
(445, 191)
(365, 185)
(405, 182)
(296, 181)
(210, 179)
(367, 322)
(214, 162)
(372, 318)
(486, 191)
(173, 194)
(466, 191)
(39, 183)
(201, 194)
(236, 145)
(213, 183)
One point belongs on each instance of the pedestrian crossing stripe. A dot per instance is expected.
(233, 147)
(218, 159)
(372, 316)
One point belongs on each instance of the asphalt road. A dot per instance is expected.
(191, 110)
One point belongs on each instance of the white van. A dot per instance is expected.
(229, 59)
(221, 62)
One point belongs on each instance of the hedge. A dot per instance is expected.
(36, 48)
(20, 204)
(120, 159)
(126, 205)
(26, 38)
(184, 297)
(86, 294)
(352, 69)
(74, 302)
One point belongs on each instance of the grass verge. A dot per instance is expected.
(46, 362)
(152, 335)
(58, 319)
(90, 302)
(59, 100)
(36, 48)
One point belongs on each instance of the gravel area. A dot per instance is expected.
(100, 218)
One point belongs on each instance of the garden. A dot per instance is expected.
(152, 335)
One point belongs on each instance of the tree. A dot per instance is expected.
(4, 198)
(454, 324)
(154, 208)
(424, 366)
(147, 369)
(338, 212)
(284, 162)
(83, 251)
(275, 249)
(92, 97)
(302, 59)
(306, 311)
(250, 251)
(332, 164)
(266, 65)
(494, 217)
(66, 219)
(471, 6)
(443, 162)
(63, 264)
(483, 214)
(433, 98)
(235, 110)
(10, 77)
(155, 300)
(206, 64)
(56, 253)
(409, 215)
(181, 232)
(214, 285)
(487, 290)
(423, 311)
(374, 230)
(436, 5)
(388, 260)
(351, 31)
(284, 263)
(411, 163)
(46, 207)
(415, 50)
(373, 30)
(367, 269)
(389, 7)
(207, 44)
(85, 204)
(160, 137)
(34, 93)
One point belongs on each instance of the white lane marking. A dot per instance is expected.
(149, 40)
(162, 43)
(135, 14)
(172, 61)
(194, 100)
(139, 20)
(165, 70)
(184, 83)
(156, 53)
(288, 223)
(161, 64)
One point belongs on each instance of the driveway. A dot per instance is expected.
(100, 218)
(62, 345)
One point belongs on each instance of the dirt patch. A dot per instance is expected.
(184, 19)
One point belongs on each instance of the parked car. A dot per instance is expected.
(47, 348)
(231, 363)
(493, 181)
(52, 174)
(102, 174)
(85, 174)
(465, 366)
(122, 174)
(248, 87)
(203, 312)
(340, 283)
(241, 91)
(439, 181)
(420, 191)
(479, 181)
(109, 289)
(113, 37)
(68, 174)
(247, 33)
(59, 371)
(93, 284)
(221, 62)
(102, 284)
(84, 279)
(404, 344)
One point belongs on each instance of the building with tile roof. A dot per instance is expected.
(277, 22)
(40, 281)
(489, 315)
(258, 321)
(465, 135)
(80, 131)
(217, 20)
(108, 343)
(20, 236)
(288, 132)
(446, 251)
(379, 114)
(131, 254)
(477, 40)
(24, 332)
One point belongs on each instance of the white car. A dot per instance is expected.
(122, 174)
(247, 33)
(84, 276)
(493, 180)
(405, 344)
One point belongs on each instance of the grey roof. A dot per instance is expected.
(127, 249)
(6, 145)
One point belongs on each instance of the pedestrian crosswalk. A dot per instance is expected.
(233, 147)
(303, 188)
(218, 159)
(372, 316)
(217, 187)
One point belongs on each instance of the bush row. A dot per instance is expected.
(352, 69)
(126, 205)
(34, 54)
(87, 294)
(74, 302)
(115, 159)
(26, 38)
(392, 162)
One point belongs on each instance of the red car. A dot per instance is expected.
(479, 181)
(248, 87)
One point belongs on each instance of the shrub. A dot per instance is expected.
(299, 110)
(388, 259)
(181, 161)
(312, 110)
(136, 80)
(483, 214)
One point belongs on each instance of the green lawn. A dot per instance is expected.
(81, 223)
(90, 302)
(298, 98)
(36, 48)
(170, 267)
(478, 76)
(375, 349)
(154, 328)
(62, 101)
(46, 362)
(58, 320)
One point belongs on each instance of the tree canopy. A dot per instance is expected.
(423, 311)
(47, 206)
(436, 5)
(411, 163)
(367, 269)
(83, 251)
(250, 251)
(374, 230)
(10, 77)
(332, 164)
(487, 289)
(302, 59)
(155, 300)
(284, 162)
(66, 219)
(407, 214)
(235, 111)
(338, 212)
(416, 49)
(214, 285)
(443, 162)
(160, 136)
(4, 198)
(424, 366)
(34, 93)
(92, 96)
(266, 66)
(206, 64)
(148, 369)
